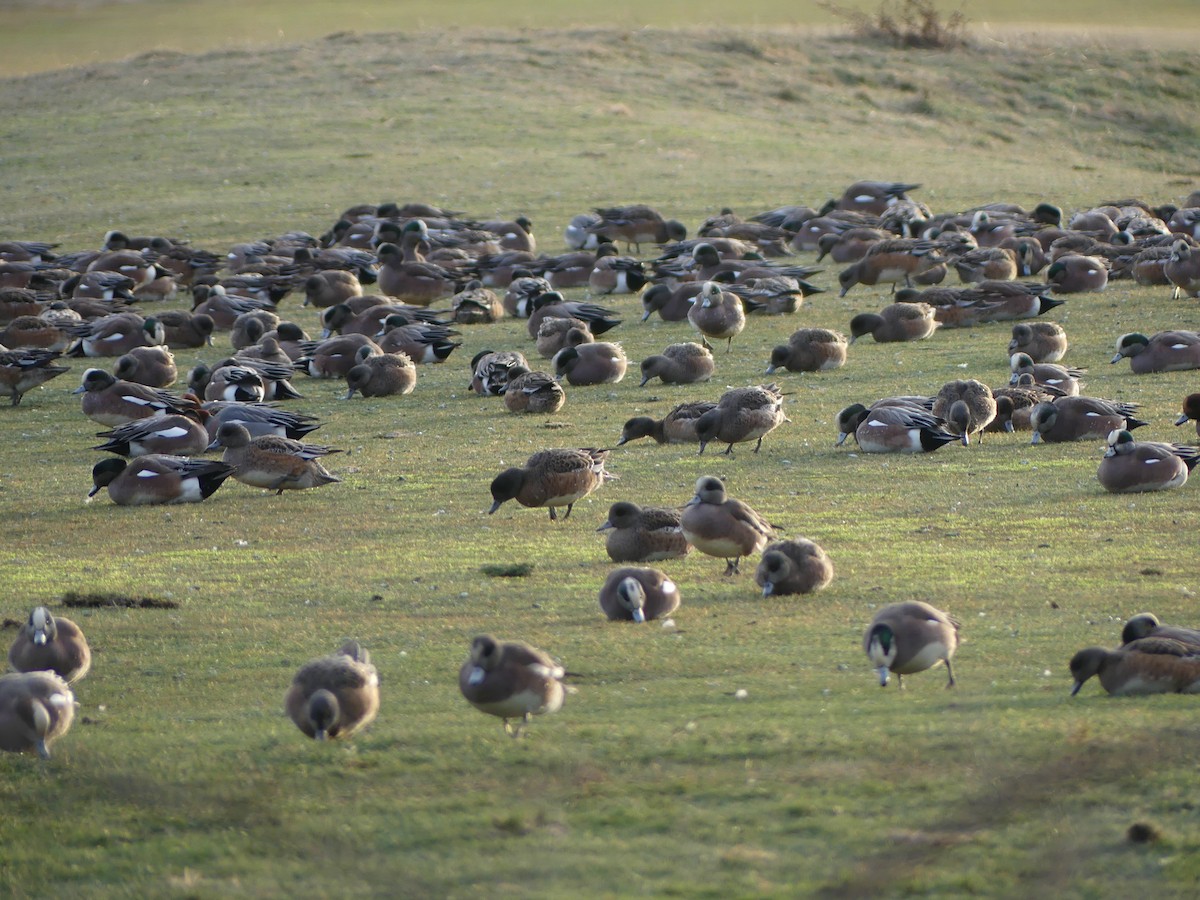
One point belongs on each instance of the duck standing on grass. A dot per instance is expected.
(551, 478)
(334, 696)
(275, 463)
(905, 638)
(511, 680)
(717, 525)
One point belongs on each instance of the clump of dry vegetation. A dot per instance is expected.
(905, 24)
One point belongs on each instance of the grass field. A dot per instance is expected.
(182, 777)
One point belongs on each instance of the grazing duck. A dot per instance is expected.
(910, 637)
(152, 366)
(893, 429)
(551, 478)
(889, 262)
(36, 709)
(381, 375)
(1182, 270)
(741, 415)
(511, 680)
(491, 370)
(595, 363)
(1080, 419)
(718, 525)
(158, 479)
(1043, 342)
(173, 435)
(1062, 379)
(273, 463)
(334, 696)
(717, 314)
(986, 264)
(51, 642)
(683, 363)
(798, 566)
(810, 350)
(967, 405)
(476, 305)
(636, 225)
(1131, 466)
(643, 534)
(1166, 351)
(1145, 625)
(896, 322)
(23, 370)
(638, 595)
(109, 401)
(1074, 273)
(671, 303)
(1153, 665)
(1191, 411)
(676, 427)
(538, 393)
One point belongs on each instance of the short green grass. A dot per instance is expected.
(183, 778)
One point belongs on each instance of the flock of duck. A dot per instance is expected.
(82, 305)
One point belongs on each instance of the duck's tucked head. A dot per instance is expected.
(881, 650)
(1138, 627)
(864, 323)
(506, 486)
(775, 567)
(632, 596)
(41, 627)
(322, 713)
(104, 473)
(779, 358)
(1085, 664)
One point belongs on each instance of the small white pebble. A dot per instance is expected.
(1046, 673)
(740, 694)
(240, 543)
(668, 624)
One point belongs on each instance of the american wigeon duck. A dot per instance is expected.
(637, 594)
(1080, 419)
(599, 319)
(422, 342)
(850, 245)
(555, 333)
(1043, 342)
(1031, 257)
(27, 251)
(614, 274)
(236, 383)
(636, 225)
(986, 264)
(989, 301)
(292, 339)
(151, 366)
(797, 566)
(1015, 403)
(741, 415)
(895, 322)
(275, 375)
(1073, 274)
(893, 429)
(249, 327)
(115, 335)
(1131, 466)
(684, 363)
(1145, 625)
(334, 696)
(335, 356)
(1166, 351)
(551, 478)
(381, 375)
(258, 419)
(1151, 665)
(671, 303)
(511, 680)
(578, 234)
(492, 369)
(224, 308)
(889, 262)
(810, 350)
(496, 269)
(676, 427)
(1063, 379)
(110, 401)
(514, 234)
(158, 479)
(720, 526)
(23, 370)
(370, 318)
(185, 330)
(476, 305)
(106, 286)
(874, 197)
(54, 643)
(522, 291)
(36, 709)
(419, 283)
(266, 349)
(39, 333)
(910, 637)
(330, 287)
(643, 534)
(1191, 411)
(538, 393)
(717, 314)
(967, 405)
(574, 269)
(774, 296)
(596, 363)
(134, 265)
(1182, 269)
(172, 435)
(273, 463)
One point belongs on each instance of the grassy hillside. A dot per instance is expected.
(183, 778)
